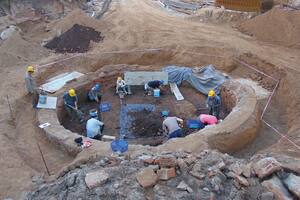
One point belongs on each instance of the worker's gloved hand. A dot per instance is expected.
(206, 105)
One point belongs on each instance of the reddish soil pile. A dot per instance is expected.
(278, 26)
(75, 40)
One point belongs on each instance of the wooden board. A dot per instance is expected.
(176, 92)
(142, 77)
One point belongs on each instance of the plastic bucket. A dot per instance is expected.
(156, 93)
(119, 145)
(42, 99)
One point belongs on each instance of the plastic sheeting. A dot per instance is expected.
(201, 78)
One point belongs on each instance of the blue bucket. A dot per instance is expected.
(156, 93)
(119, 146)
(42, 99)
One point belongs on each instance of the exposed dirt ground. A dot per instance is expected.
(131, 25)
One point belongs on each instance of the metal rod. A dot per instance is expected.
(44, 161)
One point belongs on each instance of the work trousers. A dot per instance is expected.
(215, 111)
(175, 134)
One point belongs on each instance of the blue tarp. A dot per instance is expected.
(201, 78)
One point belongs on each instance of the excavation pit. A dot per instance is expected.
(137, 117)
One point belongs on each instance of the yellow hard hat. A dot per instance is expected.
(72, 93)
(30, 69)
(211, 93)
(119, 78)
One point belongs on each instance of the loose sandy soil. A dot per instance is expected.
(130, 25)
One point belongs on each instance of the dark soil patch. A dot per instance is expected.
(146, 124)
(75, 40)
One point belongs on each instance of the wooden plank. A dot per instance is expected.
(176, 92)
(142, 77)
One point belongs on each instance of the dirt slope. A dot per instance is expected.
(129, 25)
(278, 26)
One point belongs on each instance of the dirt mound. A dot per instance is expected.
(278, 26)
(75, 40)
(77, 16)
(146, 126)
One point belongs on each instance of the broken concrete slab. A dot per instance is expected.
(275, 186)
(266, 167)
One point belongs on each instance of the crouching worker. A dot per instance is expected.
(95, 93)
(208, 119)
(152, 85)
(121, 86)
(70, 102)
(171, 125)
(94, 127)
(213, 103)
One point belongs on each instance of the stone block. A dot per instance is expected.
(293, 184)
(147, 178)
(275, 186)
(242, 181)
(184, 187)
(247, 170)
(166, 173)
(95, 179)
(266, 167)
(182, 166)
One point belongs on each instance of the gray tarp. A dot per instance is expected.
(201, 78)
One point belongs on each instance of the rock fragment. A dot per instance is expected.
(266, 167)
(166, 173)
(147, 178)
(183, 186)
(95, 179)
(275, 186)
(293, 184)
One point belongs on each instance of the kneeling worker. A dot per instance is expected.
(152, 85)
(208, 119)
(70, 102)
(95, 93)
(171, 126)
(94, 127)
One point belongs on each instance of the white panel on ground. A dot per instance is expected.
(50, 103)
(176, 91)
(59, 81)
(142, 77)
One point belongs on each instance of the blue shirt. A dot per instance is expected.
(213, 101)
(69, 100)
(93, 127)
(93, 93)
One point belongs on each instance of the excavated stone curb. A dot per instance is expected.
(238, 129)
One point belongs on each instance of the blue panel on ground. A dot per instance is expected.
(126, 120)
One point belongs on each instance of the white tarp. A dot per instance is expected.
(59, 81)
(50, 103)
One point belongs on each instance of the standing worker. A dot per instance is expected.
(213, 103)
(121, 86)
(171, 126)
(94, 127)
(152, 85)
(31, 85)
(70, 102)
(95, 93)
